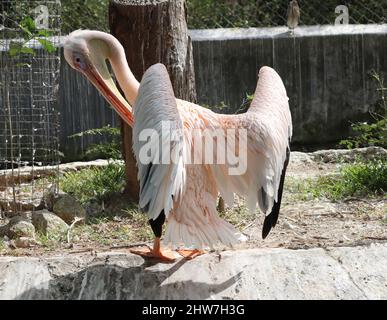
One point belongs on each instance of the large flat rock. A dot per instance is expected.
(333, 273)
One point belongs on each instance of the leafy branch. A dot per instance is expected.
(374, 133)
(108, 150)
(30, 32)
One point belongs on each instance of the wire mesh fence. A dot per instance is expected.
(84, 14)
(29, 72)
(204, 14)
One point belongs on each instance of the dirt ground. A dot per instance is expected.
(302, 224)
(322, 223)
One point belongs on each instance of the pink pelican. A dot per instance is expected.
(181, 192)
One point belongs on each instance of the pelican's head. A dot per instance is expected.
(87, 52)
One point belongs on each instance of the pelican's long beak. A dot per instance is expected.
(103, 81)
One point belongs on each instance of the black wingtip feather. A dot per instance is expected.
(267, 225)
(272, 218)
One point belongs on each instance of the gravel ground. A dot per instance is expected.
(322, 223)
(302, 224)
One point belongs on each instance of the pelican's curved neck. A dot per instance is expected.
(115, 53)
(124, 75)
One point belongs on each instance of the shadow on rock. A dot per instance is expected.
(114, 280)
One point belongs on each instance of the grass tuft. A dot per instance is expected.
(2, 244)
(359, 179)
(94, 183)
(108, 232)
(238, 215)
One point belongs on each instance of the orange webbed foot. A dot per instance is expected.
(190, 254)
(155, 253)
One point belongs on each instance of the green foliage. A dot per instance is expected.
(94, 183)
(30, 32)
(219, 108)
(238, 215)
(367, 177)
(3, 246)
(106, 231)
(106, 150)
(224, 108)
(375, 133)
(86, 14)
(46, 44)
(245, 103)
(51, 241)
(359, 179)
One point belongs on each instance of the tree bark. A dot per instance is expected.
(153, 31)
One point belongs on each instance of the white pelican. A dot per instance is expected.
(183, 193)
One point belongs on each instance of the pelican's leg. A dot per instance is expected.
(166, 255)
(156, 252)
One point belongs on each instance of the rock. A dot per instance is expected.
(23, 242)
(50, 196)
(299, 158)
(67, 208)
(3, 230)
(93, 209)
(253, 274)
(48, 223)
(20, 227)
(13, 209)
(368, 153)
(117, 204)
(288, 225)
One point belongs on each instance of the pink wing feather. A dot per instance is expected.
(187, 193)
(269, 128)
(194, 220)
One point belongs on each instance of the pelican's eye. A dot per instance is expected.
(79, 61)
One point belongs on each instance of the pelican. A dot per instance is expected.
(183, 192)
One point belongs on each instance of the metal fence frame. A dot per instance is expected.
(29, 74)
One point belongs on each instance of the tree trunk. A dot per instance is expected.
(153, 31)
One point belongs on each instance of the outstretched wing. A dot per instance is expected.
(189, 189)
(158, 143)
(268, 129)
(270, 99)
